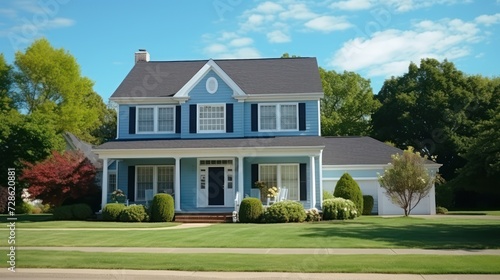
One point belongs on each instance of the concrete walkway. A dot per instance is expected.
(125, 274)
(269, 251)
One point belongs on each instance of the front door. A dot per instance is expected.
(216, 186)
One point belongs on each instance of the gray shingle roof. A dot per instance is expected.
(253, 76)
(337, 150)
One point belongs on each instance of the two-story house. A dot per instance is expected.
(206, 130)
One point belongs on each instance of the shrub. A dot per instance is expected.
(339, 209)
(4, 195)
(24, 208)
(162, 208)
(441, 210)
(111, 211)
(81, 211)
(36, 210)
(63, 213)
(367, 204)
(251, 210)
(327, 195)
(348, 188)
(46, 208)
(134, 213)
(313, 215)
(285, 212)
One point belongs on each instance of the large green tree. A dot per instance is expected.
(348, 104)
(433, 107)
(49, 82)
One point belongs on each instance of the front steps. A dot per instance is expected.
(203, 217)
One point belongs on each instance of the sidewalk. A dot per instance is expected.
(270, 251)
(124, 274)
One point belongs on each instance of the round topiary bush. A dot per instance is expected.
(285, 212)
(367, 204)
(63, 213)
(339, 209)
(134, 213)
(111, 211)
(251, 210)
(162, 208)
(348, 188)
(81, 211)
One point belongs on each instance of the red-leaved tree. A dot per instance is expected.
(61, 176)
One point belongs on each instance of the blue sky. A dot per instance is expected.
(375, 38)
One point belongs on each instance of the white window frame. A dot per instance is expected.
(198, 130)
(112, 172)
(278, 176)
(155, 179)
(156, 110)
(278, 116)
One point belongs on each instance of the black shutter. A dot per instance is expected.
(192, 118)
(131, 120)
(131, 184)
(303, 181)
(178, 119)
(255, 175)
(229, 117)
(302, 116)
(255, 117)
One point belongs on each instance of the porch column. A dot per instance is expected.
(320, 166)
(104, 185)
(313, 181)
(240, 177)
(177, 185)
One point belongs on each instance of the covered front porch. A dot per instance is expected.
(210, 179)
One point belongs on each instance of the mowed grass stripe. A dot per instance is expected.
(414, 264)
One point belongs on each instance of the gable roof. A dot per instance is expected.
(253, 76)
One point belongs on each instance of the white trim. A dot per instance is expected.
(113, 172)
(319, 120)
(156, 110)
(278, 97)
(203, 200)
(223, 105)
(210, 65)
(278, 116)
(209, 152)
(369, 166)
(312, 162)
(155, 178)
(104, 187)
(118, 122)
(177, 184)
(145, 100)
(320, 160)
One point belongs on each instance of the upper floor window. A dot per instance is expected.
(155, 119)
(212, 118)
(273, 117)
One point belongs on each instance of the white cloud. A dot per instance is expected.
(389, 52)
(278, 36)
(328, 23)
(59, 22)
(215, 48)
(269, 8)
(241, 42)
(298, 12)
(10, 13)
(352, 5)
(488, 19)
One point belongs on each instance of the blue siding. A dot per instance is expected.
(200, 95)
(188, 184)
(312, 127)
(123, 132)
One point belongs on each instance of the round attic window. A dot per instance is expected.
(212, 85)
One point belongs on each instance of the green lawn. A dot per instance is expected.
(90, 224)
(475, 213)
(364, 232)
(415, 264)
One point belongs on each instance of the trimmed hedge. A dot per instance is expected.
(162, 208)
(285, 212)
(251, 210)
(111, 211)
(348, 188)
(81, 211)
(63, 213)
(327, 195)
(134, 213)
(339, 209)
(368, 203)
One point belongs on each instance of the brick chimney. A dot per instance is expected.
(141, 56)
